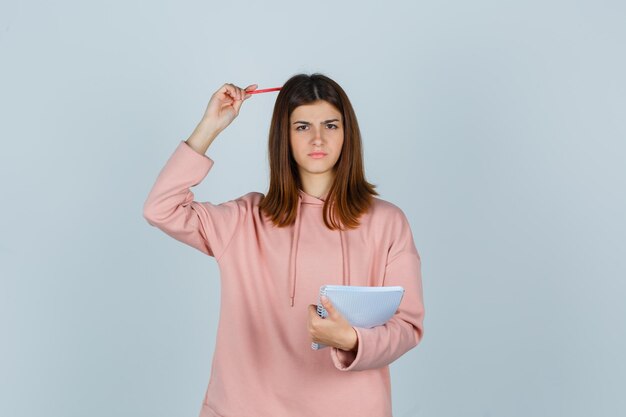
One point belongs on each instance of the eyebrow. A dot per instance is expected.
(322, 123)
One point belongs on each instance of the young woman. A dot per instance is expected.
(319, 223)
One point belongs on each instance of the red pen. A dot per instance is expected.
(267, 90)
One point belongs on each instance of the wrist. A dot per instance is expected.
(208, 128)
(352, 341)
(203, 135)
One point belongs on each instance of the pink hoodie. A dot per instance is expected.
(263, 364)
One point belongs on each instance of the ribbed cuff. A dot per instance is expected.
(347, 360)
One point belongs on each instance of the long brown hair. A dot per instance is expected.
(350, 194)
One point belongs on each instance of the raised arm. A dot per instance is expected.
(170, 205)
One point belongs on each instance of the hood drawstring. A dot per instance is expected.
(345, 280)
(294, 252)
(344, 257)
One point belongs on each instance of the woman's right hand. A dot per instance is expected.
(225, 104)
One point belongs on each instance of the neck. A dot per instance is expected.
(316, 186)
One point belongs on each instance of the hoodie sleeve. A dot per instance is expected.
(170, 205)
(381, 345)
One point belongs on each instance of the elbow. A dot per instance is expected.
(146, 216)
(149, 213)
(419, 334)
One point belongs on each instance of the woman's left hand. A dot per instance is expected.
(334, 330)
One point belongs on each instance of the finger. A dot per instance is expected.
(314, 314)
(251, 87)
(229, 91)
(237, 105)
(328, 305)
(234, 91)
(241, 92)
(312, 317)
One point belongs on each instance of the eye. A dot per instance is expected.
(330, 124)
(298, 127)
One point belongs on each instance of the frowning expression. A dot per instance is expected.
(316, 137)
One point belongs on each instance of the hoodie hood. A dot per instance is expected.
(304, 198)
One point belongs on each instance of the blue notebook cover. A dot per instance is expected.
(362, 306)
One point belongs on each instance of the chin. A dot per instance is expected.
(318, 170)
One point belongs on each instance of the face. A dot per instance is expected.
(316, 137)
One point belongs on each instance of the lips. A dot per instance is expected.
(317, 154)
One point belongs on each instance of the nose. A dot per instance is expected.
(316, 139)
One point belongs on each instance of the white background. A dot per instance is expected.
(497, 126)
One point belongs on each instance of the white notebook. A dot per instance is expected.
(362, 306)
